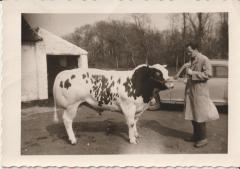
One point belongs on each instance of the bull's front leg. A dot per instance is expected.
(136, 134)
(131, 132)
(129, 112)
(137, 116)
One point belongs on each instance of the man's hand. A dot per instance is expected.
(189, 71)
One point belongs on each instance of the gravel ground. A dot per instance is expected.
(161, 131)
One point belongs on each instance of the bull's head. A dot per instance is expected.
(147, 78)
(159, 76)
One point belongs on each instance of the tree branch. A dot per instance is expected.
(192, 22)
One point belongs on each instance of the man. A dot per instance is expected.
(199, 108)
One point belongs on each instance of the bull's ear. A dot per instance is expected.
(164, 66)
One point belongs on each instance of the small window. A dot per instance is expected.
(220, 71)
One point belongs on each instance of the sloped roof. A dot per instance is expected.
(58, 46)
(28, 34)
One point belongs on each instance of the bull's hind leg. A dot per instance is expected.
(68, 117)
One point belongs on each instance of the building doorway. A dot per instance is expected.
(56, 64)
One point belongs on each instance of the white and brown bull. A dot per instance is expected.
(126, 91)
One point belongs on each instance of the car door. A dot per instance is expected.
(177, 93)
(218, 84)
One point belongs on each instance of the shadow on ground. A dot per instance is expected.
(162, 130)
(107, 127)
(41, 103)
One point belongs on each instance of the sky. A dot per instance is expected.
(62, 24)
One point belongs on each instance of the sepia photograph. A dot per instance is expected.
(124, 83)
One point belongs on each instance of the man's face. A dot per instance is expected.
(190, 52)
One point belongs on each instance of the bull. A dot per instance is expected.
(128, 92)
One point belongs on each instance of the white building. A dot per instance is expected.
(43, 56)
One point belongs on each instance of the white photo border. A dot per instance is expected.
(11, 82)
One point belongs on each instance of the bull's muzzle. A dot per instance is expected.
(169, 83)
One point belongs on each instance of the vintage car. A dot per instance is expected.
(218, 86)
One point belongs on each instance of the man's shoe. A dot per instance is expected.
(201, 143)
(190, 139)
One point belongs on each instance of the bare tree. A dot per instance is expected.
(142, 23)
(174, 26)
(200, 25)
(132, 42)
(223, 35)
(184, 29)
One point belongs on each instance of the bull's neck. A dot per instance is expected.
(142, 84)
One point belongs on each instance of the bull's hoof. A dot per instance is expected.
(137, 136)
(73, 141)
(133, 141)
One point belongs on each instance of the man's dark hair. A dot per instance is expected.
(193, 45)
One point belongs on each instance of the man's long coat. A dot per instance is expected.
(198, 105)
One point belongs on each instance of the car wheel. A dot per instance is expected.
(155, 103)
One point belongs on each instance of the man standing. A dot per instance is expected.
(199, 108)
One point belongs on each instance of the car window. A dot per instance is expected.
(220, 71)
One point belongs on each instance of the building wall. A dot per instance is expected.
(34, 72)
(41, 58)
(83, 61)
(29, 72)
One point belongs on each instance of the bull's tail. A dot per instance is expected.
(55, 115)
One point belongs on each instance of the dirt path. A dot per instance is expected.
(161, 132)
